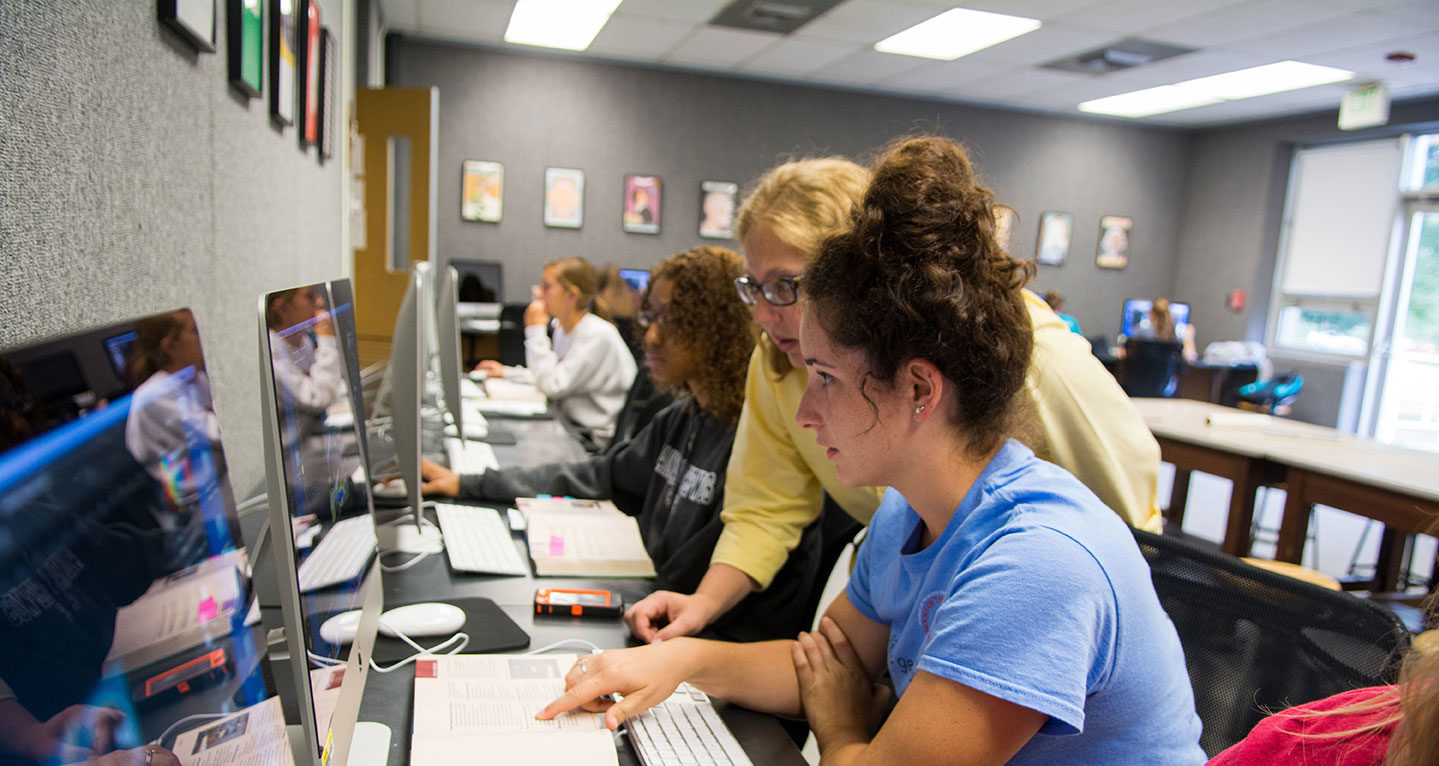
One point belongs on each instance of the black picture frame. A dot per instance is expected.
(245, 45)
(326, 138)
(193, 20)
(282, 63)
(308, 34)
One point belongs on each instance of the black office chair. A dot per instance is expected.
(1151, 367)
(512, 334)
(642, 403)
(1257, 641)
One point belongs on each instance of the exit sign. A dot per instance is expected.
(1364, 107)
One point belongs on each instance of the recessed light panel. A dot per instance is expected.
(1230, 86)
(1143, 103)
(568, 24)
(955, 33)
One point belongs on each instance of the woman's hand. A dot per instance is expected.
(149, 755)
(491, 368)
(438, 480)
(665, 614)
(644, 676)
(535, 314)
(839, 700)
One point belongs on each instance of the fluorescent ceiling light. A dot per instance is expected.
(568, 24)
(1142, 103)
(1263, 80)
(956, 32)
(1230, 86)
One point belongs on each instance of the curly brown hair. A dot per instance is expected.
(919, 274)
(706, 314)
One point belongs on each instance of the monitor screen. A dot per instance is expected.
(480, 281)
(447, 338)
(317, 481)
(124, 576)
(638, 279)
(118, 349)
(1136, 316)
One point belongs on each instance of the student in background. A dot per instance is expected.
(588, 368)
(698, 339)
(1159, 325)
(1055, 299)
(1010, 607)
(778, 475)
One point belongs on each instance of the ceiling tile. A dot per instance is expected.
(477, 21)
(638, 39)
(1240, 22)
(1006, 85)
(794, 57)
(866, 67)
(941, 76)
(1334, 34)
(1368, 62)
(865, 21)
(1131, 16)
(697, 11)
(719, 47)
(1050, 42)
(1029, 9)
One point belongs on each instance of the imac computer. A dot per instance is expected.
(447, 343)
(638, 279)
(318, 485)
(126, 580)
(1136, 316)
(479, 281)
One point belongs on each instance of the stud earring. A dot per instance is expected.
(919, 409)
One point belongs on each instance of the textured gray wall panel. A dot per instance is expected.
(132, 180)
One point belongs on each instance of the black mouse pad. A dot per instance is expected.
(487, 625)
(499, 436)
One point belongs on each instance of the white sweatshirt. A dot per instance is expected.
(587, 373)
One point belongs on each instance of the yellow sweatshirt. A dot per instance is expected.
(777, 470)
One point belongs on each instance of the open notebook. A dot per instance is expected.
(468, 705)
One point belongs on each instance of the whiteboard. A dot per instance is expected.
(1342, 206)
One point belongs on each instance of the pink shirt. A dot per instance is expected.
(1283, 738)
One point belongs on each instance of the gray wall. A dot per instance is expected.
(133, 180)
(1229, 235)
(532, 111)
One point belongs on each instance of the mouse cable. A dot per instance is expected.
(565, 643)
(160, 740)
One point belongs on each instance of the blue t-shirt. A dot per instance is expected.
(1037, 594)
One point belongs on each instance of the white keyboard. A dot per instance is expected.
(683, 730)
(469, 457)
(341, 555)
(478, 540)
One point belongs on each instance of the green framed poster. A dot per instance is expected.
(245, 25)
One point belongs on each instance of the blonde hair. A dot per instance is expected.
(576, 273)
(803, 202)
(1162, 320)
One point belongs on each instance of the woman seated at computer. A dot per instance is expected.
(587, 370)
(698, 339)
(1010, 607)
(1159, 324)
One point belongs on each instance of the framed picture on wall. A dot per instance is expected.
(245, 45)
(482, 190)
(282, 62)
(326, 137)
(1054, 234)
(1114, 234)
(642, 204)
(564, 197)
(307, 69)
(1004, 218)
(194, 20)
(718, 200)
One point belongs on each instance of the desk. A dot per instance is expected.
(389, 698)
(1393, 485)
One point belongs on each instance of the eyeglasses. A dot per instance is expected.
(779, 292)
(646, 319)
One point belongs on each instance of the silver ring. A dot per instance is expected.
(584, 669)
(149, 755)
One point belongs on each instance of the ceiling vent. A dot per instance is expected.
(781, 16)
(1125, 54)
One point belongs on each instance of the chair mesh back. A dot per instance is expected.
(1257, 642)
(1151, 367)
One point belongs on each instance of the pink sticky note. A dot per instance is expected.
(208, 609)
(557, 545)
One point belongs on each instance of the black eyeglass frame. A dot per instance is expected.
(750, 290)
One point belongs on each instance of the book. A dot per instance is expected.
(470, 706)
(584, 538)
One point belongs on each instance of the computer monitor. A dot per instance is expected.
(1136, 316)
(315, 474)
(480, 281)
(638, 279)
(447, 336)
(126, 581)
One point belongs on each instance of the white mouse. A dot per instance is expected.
(391, 489)
(419, 620)
(341, 628)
